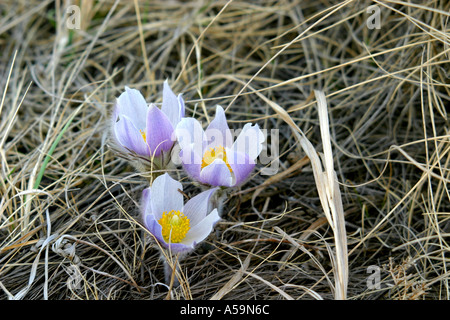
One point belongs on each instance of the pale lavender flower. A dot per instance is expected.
(211, 157)
(146, 131)
(177, 226)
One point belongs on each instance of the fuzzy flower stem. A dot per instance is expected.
(170, 277)
(218, 199)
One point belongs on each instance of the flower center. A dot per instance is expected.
(143, 135)
(175, 226)
(213, 154)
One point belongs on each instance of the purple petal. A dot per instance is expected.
(146, 211)
(191, 161)
(202, 229)
(216, 174)
(165, 195)
(159, 131)
(154, 227)
(189, 132)
(198, 207)
(218, 133)
(241, 164)
(130, 137)
(179, 247)
(171, 106)
(146, 202)
(250, 141)
(182, 106)
(132, 104)
(114, 118)
(115, 114)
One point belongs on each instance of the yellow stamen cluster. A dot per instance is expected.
(213, 154)
(175, 226)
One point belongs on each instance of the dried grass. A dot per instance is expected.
(379, 163)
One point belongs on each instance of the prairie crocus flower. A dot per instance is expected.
(177, 226)
(146, 132)
(211, 157)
